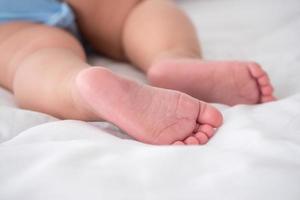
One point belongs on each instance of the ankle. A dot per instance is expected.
(159, 72)
(78, 110)
(177, 53)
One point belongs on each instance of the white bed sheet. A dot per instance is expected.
(255, 155)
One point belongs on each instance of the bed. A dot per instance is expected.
(254, 155)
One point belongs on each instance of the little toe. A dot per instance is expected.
(265, 99)
(209, 115)
(207, 129)
(191, 140)
(266, 90)
(178, 143)
(202, 137)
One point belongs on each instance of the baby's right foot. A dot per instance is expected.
(149, 114)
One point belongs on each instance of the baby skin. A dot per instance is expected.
(46, 69)
(227, 82)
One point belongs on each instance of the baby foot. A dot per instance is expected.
(228, 82)
(149, 114)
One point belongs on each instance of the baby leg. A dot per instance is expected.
(37, 64)
(140, 31)
(46, 70)
(161, 40)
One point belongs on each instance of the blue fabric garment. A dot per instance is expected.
(51, 12)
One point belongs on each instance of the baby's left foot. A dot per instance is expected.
(227, 82)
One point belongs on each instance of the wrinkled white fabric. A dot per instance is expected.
(255, 155)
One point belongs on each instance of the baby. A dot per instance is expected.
(44, 64)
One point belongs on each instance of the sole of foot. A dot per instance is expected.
(149, 114)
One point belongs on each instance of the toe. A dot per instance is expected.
(265, 99)
(256, 71)
(266, 90)
(191, 140)
(264, 80)
(207, 129)
(178, 143)
(209, 115)
(202, 137)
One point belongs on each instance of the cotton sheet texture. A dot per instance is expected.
(255, 155)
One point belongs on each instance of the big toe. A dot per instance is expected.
(208, 114)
